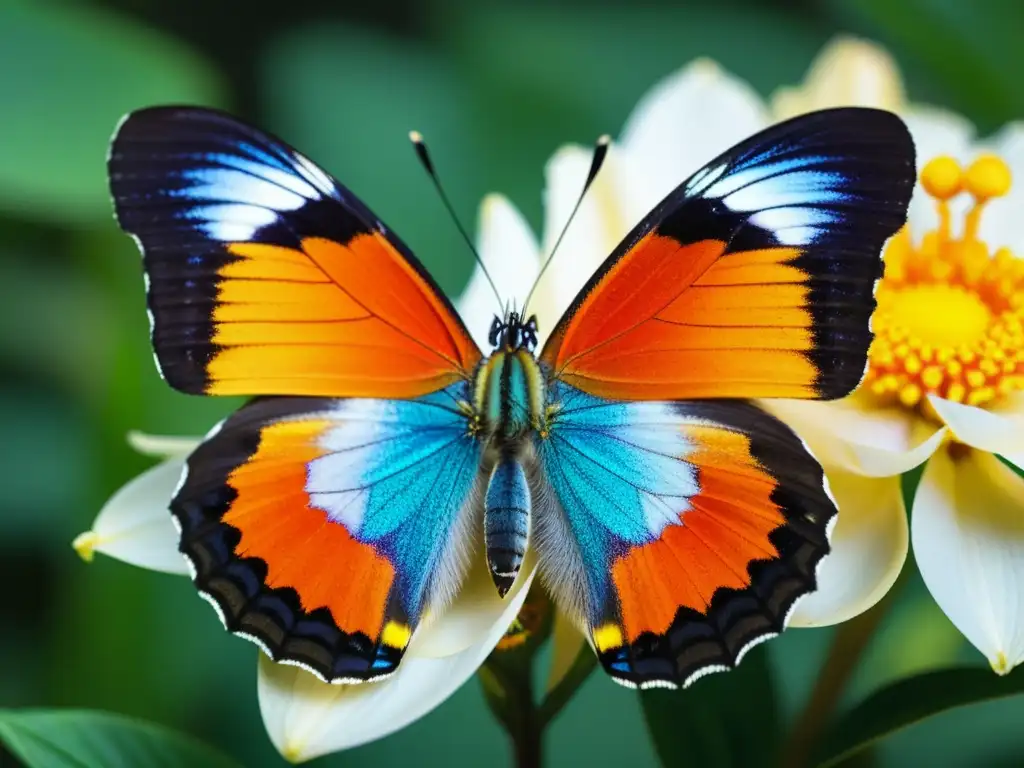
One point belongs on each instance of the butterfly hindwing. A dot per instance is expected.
(755, 277)
(677, 534)
(265, 276)
(323, 528)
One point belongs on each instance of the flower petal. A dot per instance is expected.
(471, 615)
(869, 547)
(135, 525)
(162, 446)
(566, 643)
(510, 252)
(967, 531)
(306, 718)
(858, 435)
(681, 123)
(995, 431)
(848, 72)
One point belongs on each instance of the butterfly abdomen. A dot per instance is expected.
(506, 521)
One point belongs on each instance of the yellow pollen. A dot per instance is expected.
(950, 317)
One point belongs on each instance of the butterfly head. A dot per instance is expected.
(513, 333)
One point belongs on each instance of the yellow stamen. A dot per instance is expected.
(950, 318)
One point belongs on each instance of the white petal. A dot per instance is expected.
(859, 436)
(306, 718)
(994, 431)
(967, 530)
(848, 72)
(682, 123)
(1000, 224)
(471, 615)
(509, 249)
(869, 547)
(937, 132)
(135, 525)
(566, 643)
(162, 446)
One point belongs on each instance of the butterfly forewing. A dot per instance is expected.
(266, 276)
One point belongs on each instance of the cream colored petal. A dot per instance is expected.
(682, 123)
(135, 525)
(859, 436)
(1000, 224)
(994, 431)
(849, 71)
(937, 132)
(596, 229)
(471, 615)
(509, 249)
(869, 547)
(967, 531)
(566, 643)
(162, 446)
(306, 718)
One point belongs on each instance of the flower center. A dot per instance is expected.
(950, 312)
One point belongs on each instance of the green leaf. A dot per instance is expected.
(910, 701)
(67, 75)
(87, 739)
(722, 720)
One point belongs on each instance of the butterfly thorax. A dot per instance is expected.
(509, 388)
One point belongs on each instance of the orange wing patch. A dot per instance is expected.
(726, 528)
(672, 321)
(302, 549)
(353, 319)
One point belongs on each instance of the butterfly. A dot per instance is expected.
(675, 521)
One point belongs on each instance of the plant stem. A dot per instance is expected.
(559, 696)
(851, 641)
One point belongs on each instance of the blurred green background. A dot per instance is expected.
(496, 86)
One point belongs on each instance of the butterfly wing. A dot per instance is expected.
(754, 278)
(678, 535)
(322, 528)
(266, 276)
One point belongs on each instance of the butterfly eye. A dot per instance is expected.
(495, 333)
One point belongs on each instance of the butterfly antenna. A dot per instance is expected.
(600, 153)
(421, 152)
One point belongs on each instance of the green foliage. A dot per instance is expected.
(69, 76)
(910, 701)
(698, 726)
(84, 739)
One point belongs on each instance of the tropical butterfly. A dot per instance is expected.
(675, 521)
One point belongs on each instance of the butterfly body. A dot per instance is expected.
(674, 521)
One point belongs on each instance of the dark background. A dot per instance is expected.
(496, 87)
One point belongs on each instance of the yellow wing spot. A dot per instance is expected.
(607, 637)
(395, 635)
